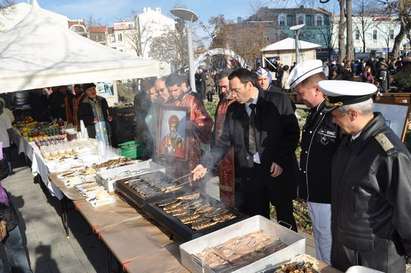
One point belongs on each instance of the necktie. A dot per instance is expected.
(252, 145)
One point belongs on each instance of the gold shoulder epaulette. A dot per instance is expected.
(384, 142)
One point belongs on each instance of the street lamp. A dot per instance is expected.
(190, 17)
(296, 30)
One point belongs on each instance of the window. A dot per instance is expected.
(319, 20)
(120, 37)
(309, 20)
(290, 20)
(281, 20)
(375, 34)
(300, 19)
(357, 34)
(391, 34)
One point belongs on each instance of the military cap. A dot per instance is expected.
(304, 70)
(341, 93)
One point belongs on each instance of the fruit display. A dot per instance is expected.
(33, 130)
(49, 140)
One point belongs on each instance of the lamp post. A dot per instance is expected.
(296, 30)
(190, 17)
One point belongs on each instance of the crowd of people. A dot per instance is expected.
(375, 70)
(353, 171)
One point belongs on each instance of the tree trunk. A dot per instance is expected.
(341, 32)
(397, 41)
(405, 21)
(350, 44)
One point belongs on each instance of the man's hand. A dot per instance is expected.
(199, 172)
(276, 170)
(3, 230)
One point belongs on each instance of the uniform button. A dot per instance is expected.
(311, 132)
(299, 169)
(304, 172)
(321, 114)
(306, 152)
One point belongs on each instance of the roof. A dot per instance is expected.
(289, 44)
(40, 51)
(269, 14)
(97, 29)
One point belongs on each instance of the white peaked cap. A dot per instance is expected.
(304, 70)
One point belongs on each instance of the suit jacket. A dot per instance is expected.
(277, 136)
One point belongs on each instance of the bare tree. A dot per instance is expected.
(6, 3)
(171, 47)
(387, 31)
(327, 35)
(350, 43)
(364, 20)
(404, 12)
(341, 33)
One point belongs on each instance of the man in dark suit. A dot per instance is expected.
(264, 142)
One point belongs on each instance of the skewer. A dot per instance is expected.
(181, 177)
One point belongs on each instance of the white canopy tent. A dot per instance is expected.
(40, 51)
(284, 51)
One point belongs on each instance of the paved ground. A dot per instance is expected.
(49, 249)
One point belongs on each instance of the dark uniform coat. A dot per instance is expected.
(319, 142)
(371, 200)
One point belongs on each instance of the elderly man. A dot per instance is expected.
(371, 184)
(264, 142)
(93, 110)
(264, 81)
(318, 145)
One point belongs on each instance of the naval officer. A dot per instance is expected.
(371, 184)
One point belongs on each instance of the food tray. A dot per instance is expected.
(295, 245)
(153, 181)
(183, 232)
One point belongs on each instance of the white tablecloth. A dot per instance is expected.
(23, 146)
(39, 167)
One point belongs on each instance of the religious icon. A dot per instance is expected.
(171, 140)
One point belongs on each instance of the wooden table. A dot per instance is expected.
(138, 245)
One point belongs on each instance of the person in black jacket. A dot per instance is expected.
(320, 138)
(93, 109)
(11, 240)
(264, 142)
(371, 184)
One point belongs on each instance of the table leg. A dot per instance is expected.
(64, 215)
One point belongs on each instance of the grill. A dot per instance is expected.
(191, 215)
(140, 190)
(184, 213)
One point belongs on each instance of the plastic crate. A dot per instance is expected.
(131, 149)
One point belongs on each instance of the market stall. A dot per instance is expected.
(40, 51)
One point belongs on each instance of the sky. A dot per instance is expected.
(108, 11)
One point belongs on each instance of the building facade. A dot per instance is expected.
(151, 23)
(372, 34)
(122, 37)
(317, 27)
(98, 34)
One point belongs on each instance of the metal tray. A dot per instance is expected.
(295, 245)
(135, 197)
(180, 231)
